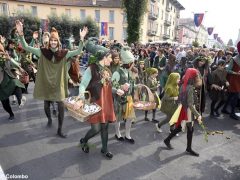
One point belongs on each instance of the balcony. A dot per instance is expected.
(178, 28)
(167, 23)
(152, 16)
(168, 9)
(152, 33)
(166, 36)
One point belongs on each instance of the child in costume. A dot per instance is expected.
(191, 79)
(124, 105)
(97, 80)
(153, 85)
(169, 100)
(52, 80)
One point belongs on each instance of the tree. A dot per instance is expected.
(135, 11)
(230, 42)
(195, 43)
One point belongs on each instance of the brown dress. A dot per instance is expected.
(106, 102)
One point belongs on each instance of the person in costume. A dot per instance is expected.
(201, 63)
(218, 90)
(51, 81)
(169, 100)
(233, 78)
(153, 85)
(97, 80)
(124, 104)
(190, 80)
(115, 64)
(142, 76)
(9, 84)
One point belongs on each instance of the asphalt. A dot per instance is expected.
(30, 149)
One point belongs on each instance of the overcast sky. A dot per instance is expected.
(221, 14)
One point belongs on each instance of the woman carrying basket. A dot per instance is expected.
(97, 80)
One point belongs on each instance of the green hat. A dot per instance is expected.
(98, 51)
(126, 55)
(151, 71)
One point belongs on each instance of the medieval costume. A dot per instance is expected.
(123, 105)
(9, 84)
(187, 111)
(169, 100)
(219, 84)
(153, 85)
(96, 80)
(233, 78)
(52, 80)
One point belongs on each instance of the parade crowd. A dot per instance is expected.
(181, 79)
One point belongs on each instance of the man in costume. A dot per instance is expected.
(51, 81)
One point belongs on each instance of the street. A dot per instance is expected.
(28, 147)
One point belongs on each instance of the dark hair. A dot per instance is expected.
(221, 62)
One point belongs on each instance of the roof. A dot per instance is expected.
(177, 4)
(77, 3)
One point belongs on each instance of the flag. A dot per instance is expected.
(104, 28)
(215, 36)
(44, 25)
(198, 19)
(210, 30)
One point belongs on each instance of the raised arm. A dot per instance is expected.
(19, 27)
(80, 47)
(87, 76)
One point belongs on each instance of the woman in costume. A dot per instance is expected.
(123, 105)
(97, 80)
(188, 111)
(52, 80)
(169, 100)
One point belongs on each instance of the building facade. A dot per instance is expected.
(160, 23)
(188, 32)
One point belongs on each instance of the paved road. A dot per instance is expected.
(28, 148)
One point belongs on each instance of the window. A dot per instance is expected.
(82, 14)
(111, 16)
(68, 12)
(34, 11)
(97, 16)
(3, 8)
(111, 33)
(53, 11)
(124, 34)
(162, 14)
(124, 18)
(20, 8)
(162, 2)
(161, 29)
(151, 8)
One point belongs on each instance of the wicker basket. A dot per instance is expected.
(80, 114)
(144, 105)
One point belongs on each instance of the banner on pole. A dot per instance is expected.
(210, 30)
(104, 28)
(198, 17)
(215, 36)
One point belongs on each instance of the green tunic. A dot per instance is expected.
(52, 76)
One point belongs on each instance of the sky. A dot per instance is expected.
(220, 14)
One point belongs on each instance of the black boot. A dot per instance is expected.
(189, 142)
(154, 115)
(146, 118)
(84, 146)
(170, 136)
(108, 154)
(60, 133)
